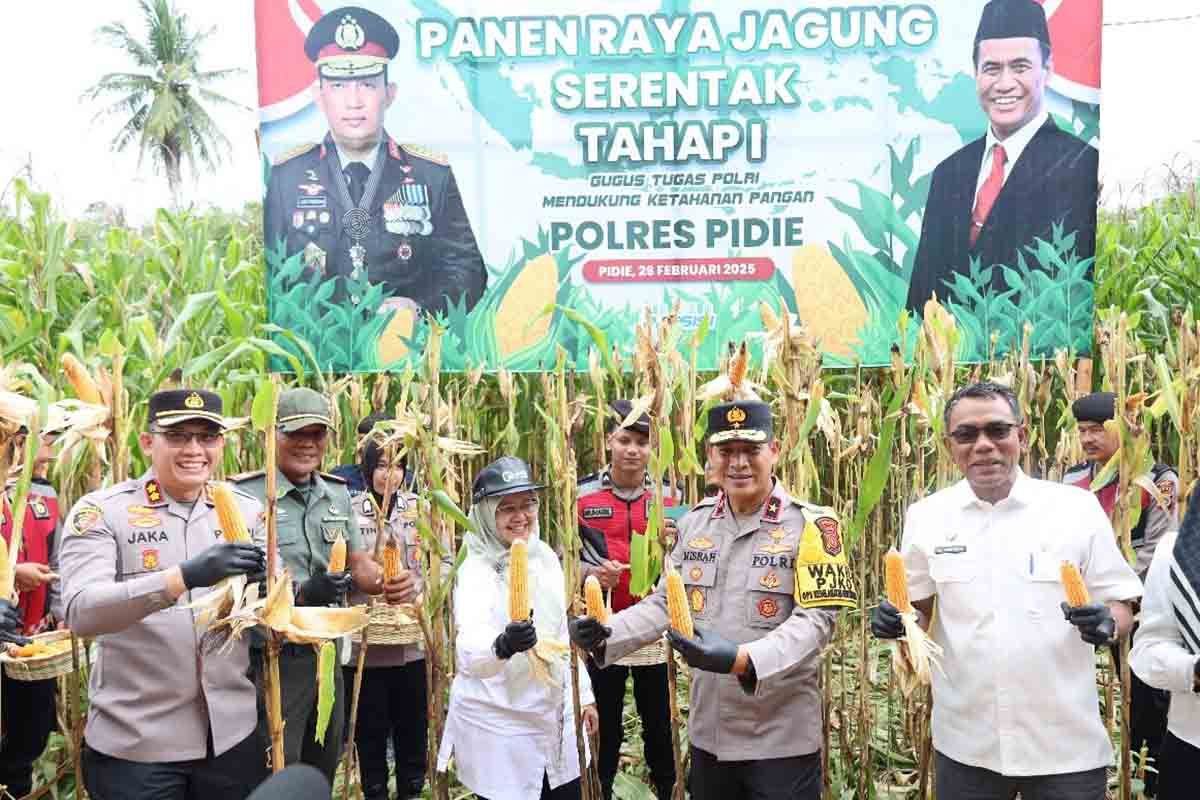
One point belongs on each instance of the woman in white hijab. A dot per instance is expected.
(511, 723)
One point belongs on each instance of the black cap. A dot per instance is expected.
(505, 475)
(351, 42)
(1095, 407)
(174, 406)
(1011, 19)
(748, 421)
(622, 409)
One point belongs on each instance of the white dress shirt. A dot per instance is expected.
(1014, 146)
(504, 728)
(1158, 655)
(1018, 693)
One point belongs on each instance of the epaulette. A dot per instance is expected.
(234, 487)
(329, 476)
(245, 476)
(425, 153)
(594, 476)
(817, 509)
(288, 155)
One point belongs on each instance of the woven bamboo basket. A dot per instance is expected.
(388, 624)
(38, 668)
(647, 655)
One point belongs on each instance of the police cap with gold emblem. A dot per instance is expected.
(300, 407)
(742, 421)
(173, 406)
(351, 42)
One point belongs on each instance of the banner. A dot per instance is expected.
(527, 175)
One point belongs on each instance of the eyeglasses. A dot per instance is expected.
(994, 431)
(528, 507)
(184, 438)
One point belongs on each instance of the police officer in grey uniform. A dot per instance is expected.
(313, 509)
(764, 574)
(168, 717)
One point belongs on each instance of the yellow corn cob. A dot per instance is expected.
(738, 366)
(677, 606)
(233, 525)
(1072, 581)
(85, 388)
(518, 582)
(337, 555)
(896, 582)
(391, 561)
(594, 596)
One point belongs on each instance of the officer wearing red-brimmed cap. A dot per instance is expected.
(358, 205)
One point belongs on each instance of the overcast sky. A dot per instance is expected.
(1151, 119)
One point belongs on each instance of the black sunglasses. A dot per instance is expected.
(995, 431)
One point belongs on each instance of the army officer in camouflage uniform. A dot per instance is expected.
(764, 575)
(168, 717)
(358, 205)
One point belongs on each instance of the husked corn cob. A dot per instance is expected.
(233, 525)
(518, 581)
(677, 606)
(896, 582)
(392, 566)
(1072, 581)
(337, 555)
(738, 366)
(85, 388)
(594, 596)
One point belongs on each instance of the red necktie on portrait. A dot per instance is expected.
(988, 192)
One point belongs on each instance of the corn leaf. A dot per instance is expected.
(450, 508)
(876, 475)
(326, 688)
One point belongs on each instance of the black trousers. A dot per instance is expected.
(28, 708)
(1147, 723)
(298, 695)
(794, 778)
(1177, 769)
(963, 782)
(568, 791)
(653, 706)
(391, 707)
(229, 776)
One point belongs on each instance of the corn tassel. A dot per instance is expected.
(896, 582)
(594, 596)
(677, 606)
(233, 525)
(1072, 581)
(518, 581)
(392, 566)
(85, 388)
(337, 555)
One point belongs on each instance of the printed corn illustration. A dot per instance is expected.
(677, 606)
(896, 582)
(233, 526)
(828, 304)
(337, 555)
(533, 289)
(518, 581)
(594, 596)
(77, 375)
(1072, 581)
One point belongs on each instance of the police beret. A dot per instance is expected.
(173, 406)
(622, 409)
(351, 42)
(1095, 407)
(1011, 19)
(745, 421)
(505, 475)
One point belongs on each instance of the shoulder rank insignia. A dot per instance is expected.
(245, 476)
(154, 492)
(288, 155)
(823, 576)
(329, 476)
(774, 506)
(426, 154)
(84, 518)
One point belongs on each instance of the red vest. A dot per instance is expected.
(618, 519)
(1081, 476)
(41, 519)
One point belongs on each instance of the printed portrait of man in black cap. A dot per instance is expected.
(996, 195)
(359, 205)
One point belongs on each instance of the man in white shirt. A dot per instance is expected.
(1015, 707)
(993, 197)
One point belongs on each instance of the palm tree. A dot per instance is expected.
(161, 99)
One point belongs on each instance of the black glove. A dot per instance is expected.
(11, 624)
(517, 638)
(886, 622)
(325, 588)
(221, 561)
(587, 633)
(708, 651)
(1095, 622)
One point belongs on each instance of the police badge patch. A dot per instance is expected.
(84, 518)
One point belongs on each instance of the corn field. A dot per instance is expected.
(182, 302)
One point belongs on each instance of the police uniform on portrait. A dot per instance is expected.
(395, 218)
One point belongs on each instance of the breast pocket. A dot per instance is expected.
(699, 573)
(770, 594)
(1045, 594)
